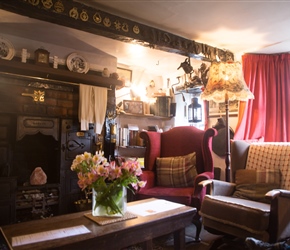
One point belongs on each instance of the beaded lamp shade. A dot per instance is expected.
(226, 78)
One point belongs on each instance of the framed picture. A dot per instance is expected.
(219, 109)
(126, 75)
(133, 107)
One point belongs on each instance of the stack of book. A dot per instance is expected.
(162, 106)
(128, 136)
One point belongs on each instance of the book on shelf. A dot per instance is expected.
(129, 136)
(123, 137)
(162, 106)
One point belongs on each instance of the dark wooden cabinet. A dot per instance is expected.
(74, 142)
(8, 185)
(7, 126)
(8, 188)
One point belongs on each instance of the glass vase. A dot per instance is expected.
(111, 202)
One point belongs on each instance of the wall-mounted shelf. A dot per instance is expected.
(130, 151)
(195, 91)
(142, 121)
(47, 73)
(148, 116)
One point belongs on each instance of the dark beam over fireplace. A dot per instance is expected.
(79, 16)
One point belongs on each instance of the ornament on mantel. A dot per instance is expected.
(114, 76)
(105, 72)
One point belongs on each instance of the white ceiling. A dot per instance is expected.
(238, 26)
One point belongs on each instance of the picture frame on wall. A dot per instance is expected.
(133, 107)
(219, 109)
(125, 75)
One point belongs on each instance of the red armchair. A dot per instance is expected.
(179, 141)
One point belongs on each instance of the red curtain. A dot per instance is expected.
(268, 115)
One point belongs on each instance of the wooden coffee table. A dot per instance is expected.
(141, 229)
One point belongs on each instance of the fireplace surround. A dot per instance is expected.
(37, 145)
(44, 134)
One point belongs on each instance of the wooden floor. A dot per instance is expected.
(208, 242)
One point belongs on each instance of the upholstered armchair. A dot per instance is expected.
(256, 203)
(175, 162)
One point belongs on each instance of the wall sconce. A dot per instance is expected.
(194, 111)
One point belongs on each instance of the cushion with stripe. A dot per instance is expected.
(254, 184)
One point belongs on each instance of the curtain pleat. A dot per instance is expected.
(268, 115)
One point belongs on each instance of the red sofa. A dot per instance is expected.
(178, 141)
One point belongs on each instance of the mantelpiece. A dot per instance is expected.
(38, 72)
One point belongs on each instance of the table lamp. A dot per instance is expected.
(226, 83)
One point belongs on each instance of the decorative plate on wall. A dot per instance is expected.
(7, 50)
(77, 63)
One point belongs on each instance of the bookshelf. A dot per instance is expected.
(137, 149)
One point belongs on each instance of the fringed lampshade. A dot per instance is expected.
(226, 83)
(226, 78)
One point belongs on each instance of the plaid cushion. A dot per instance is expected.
(271, 155)
(254, 184)
(177, 171)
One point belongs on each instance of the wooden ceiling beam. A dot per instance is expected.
(82, 17)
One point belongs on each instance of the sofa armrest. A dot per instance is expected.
(285, 193)
(198, 189)
(153, 145)
(216, 187)
(206, 183)
(279, 214)
(277, 192)
(149, 177)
